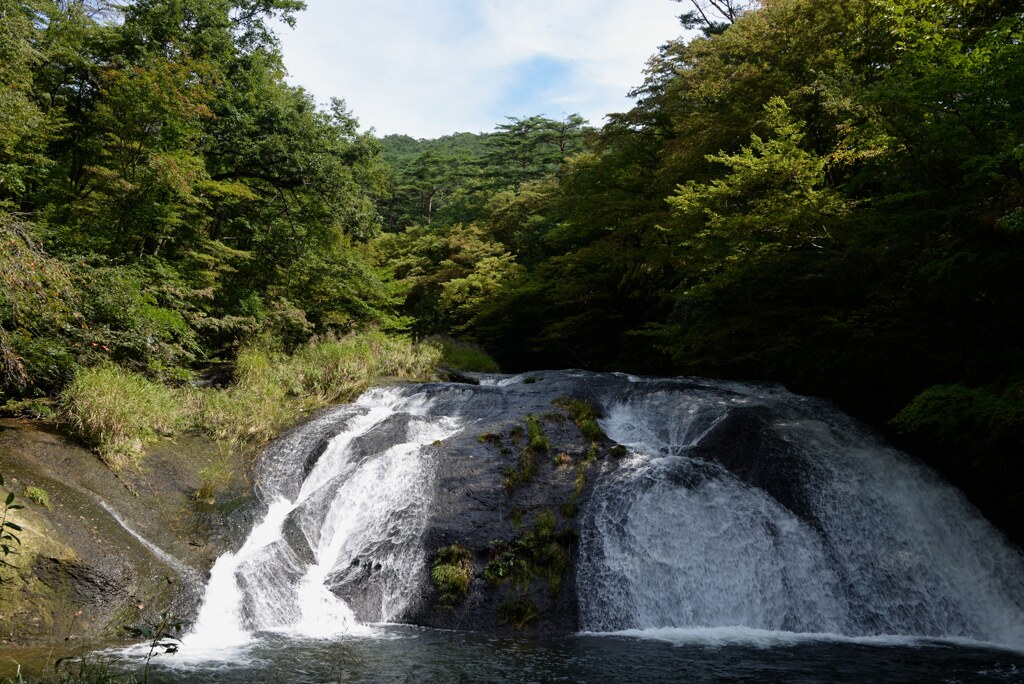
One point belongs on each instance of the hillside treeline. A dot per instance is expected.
(827, 195)
(165, 195)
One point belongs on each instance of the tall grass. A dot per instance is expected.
(119, 412)
(465, 356)
(272, 390)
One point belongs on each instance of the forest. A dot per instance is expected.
(824, 195)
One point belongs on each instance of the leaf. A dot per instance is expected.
(10, 498)
(13, 526)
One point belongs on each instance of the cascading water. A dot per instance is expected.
(747, 507)
(739, 507)
(363, 501)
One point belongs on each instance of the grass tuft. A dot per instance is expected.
(213, 479)
(39, 496)
(584, 415)
(452, 573)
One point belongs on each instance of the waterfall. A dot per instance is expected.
(738, 507)
(748, 507)
(362, 505)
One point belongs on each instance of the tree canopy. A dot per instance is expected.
(828, 195)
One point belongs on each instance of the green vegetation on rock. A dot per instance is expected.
(543, 552)
(537, 445)
(452, 573)
(38, 495)
(584, 415)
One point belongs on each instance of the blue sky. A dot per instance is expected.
(430, 67)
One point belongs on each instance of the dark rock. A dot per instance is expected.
(745, 443)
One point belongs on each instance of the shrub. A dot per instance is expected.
(501, 564)
(972, 418)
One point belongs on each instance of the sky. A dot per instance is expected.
(431, 67)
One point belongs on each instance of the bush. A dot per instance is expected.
(119, 412)
(974, 419)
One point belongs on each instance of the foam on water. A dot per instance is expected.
(761, 638)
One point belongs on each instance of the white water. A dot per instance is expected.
(676, 545)
(843, 539)
(167, 558)
(354, 497)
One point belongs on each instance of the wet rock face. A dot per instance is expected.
(479, 506)
(80, 572)
(507, 489)
(745, 443)
(83, 584)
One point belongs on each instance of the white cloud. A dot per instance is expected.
(430, 67)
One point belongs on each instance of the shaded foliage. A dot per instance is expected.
(823, 194)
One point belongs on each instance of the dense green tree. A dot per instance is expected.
(531, 148)
(185, 195)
